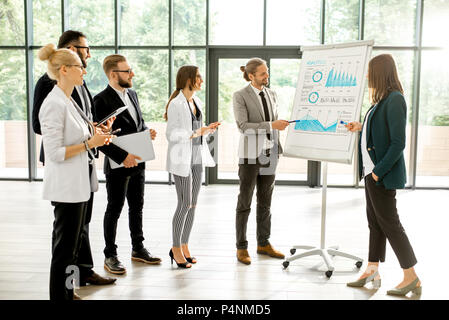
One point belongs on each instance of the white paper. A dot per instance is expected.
(139, 144)
(329, 93)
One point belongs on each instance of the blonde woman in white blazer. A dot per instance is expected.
(186, 155)
(67, 138)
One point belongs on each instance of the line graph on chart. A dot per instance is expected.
(322, 120)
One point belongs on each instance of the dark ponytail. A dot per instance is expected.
(185, 73)
(173, 95)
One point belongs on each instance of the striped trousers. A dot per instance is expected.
(187, 189)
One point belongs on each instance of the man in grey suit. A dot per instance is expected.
(255, 111)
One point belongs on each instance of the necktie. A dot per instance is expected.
(265, 110)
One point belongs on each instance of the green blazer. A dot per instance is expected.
(385, 128)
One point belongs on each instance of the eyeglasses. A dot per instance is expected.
(81, 47)
(126, 71)
(76, 65)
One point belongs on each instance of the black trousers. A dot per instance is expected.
(253, 173)
(120, 187)
(66, 242)
(85, 260)
(384, 223)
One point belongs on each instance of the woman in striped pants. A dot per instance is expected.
(187, 152)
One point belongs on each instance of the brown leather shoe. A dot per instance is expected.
(243, 256)
(76, 296)
(270, 251)
(96, 279)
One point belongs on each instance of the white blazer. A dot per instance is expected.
(62, 125)
(178, 133)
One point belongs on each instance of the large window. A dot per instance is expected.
(159, 36)
(144, 22)
(236, 22)
(433, 132)
(342, 21)
(390, 22)
(94, 18)
(293, 22)
(13, 135)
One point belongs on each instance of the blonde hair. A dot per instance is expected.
(111, 62)
(56, 59)
(251, 67)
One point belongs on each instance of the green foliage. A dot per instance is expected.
(342, 20)
(441, 120)
(189, 22)
(12, 85)
(145, 22)
(12, 30)
(46, 21)
(150, 81)
(95, 19)
(390, 22)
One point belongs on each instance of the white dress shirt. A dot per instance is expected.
(268, 143)
(367, 163)
(127, 101)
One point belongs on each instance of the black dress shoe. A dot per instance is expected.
(113, 265)
(96, 279)
(144, 256)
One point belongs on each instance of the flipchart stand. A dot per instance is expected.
(326, 253)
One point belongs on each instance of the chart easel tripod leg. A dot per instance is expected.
(326, 253)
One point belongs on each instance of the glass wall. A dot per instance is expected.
(13, 129)
(158, 36)
(13, 112)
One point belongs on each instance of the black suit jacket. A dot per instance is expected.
(43, 87)
(107, 102)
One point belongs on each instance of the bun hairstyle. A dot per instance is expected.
(251, 67)
(46, 52)
(56, 59)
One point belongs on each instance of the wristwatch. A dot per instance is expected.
(86, 145)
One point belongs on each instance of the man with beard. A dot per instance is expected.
(255, 111)
(77, 42)
(127, 181)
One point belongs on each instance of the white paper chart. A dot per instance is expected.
(329, 94)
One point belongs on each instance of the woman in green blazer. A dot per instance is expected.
(382, 165)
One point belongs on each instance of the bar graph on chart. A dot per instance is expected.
(340, 79)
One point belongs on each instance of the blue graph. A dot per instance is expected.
(309, 123)
(340, 80)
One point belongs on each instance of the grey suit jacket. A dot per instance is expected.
(251, 122)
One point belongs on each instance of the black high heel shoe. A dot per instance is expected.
(185, 265)
(191, 259)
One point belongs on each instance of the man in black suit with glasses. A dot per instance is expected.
(127, 182)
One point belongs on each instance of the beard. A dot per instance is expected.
(83, 61)
(124, 84)
(262, 82)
